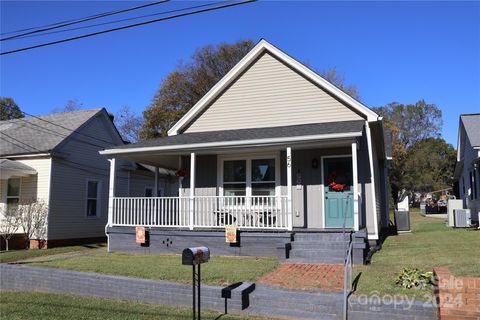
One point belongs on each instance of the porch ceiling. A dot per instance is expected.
(165, 151)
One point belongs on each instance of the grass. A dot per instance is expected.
(219, 271)
(430, 244)
(19, 255)
(36, 305)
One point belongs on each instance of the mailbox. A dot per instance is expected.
(194, 256)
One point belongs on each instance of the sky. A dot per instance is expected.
(392, 51)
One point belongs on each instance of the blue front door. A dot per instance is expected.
(337, 181)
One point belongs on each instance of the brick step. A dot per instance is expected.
(318, 252)
(337, 245)
(321, 237)
(333, 260)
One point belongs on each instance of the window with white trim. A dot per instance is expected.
(93, 198)
(250, 177)
(13, 191)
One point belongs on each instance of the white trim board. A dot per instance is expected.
(261, 47)
(237, 143)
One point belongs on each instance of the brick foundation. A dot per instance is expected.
(457, 297)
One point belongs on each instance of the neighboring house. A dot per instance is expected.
(274, 149)
(467, 168)
(55, 159)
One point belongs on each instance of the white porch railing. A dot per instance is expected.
(256, 212)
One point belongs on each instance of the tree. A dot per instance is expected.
(9, 109)
(33, 219)
(415, 121)
(332, 76)
(128, 124)
(430, 165)
(409, 125)
(9, 224)
(70, 106)
(189, 82)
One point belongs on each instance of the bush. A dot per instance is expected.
(414, 278)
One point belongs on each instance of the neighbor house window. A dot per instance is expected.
(93, 198)
(13, 191)
(249, 177)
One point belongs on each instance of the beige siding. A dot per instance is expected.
(34, 186)
(69, 183)
(271, 94)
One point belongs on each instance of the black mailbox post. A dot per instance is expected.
(195, 257)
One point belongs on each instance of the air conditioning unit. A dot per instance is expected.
(462, 218)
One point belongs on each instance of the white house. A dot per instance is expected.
(274, 149)
(55, 158)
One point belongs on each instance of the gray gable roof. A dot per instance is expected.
(471, 122)
(251, 134)
(6, 164)
(40, 134)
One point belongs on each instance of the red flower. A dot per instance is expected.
(181, 173)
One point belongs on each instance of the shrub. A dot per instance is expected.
(414, 278)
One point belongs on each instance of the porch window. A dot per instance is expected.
(234, 177)
(263, 177)
(249, 177)
(13, 192)
(93, 197)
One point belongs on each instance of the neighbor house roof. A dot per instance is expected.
(471, 123)
(249, 59)
(15, 166)
(32, 135)
(246, 137)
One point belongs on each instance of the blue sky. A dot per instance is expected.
(392, 51)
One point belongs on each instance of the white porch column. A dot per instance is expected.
(111, 191)
(355, 187)
(289, 189)
(192, 189)
(155, 185)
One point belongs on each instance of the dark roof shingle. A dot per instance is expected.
(251, 134)
(40, 134)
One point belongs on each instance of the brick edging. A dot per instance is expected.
(457, 297)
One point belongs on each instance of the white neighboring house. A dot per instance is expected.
(467, 168)
(55, 158)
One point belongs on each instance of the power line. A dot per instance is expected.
(52, 24)
(101, 15)
(63, 136)
(127, 26)
(31, 147)
(117, 21)
(68, 129)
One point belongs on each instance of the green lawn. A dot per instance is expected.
(430, 244)
(19, 255)
(36, 305)
(219, 271)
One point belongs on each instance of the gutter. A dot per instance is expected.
(238, 143)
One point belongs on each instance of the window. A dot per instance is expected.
(474, 184)
(263, 177)
(13, 191)
(234, 178)
(93, 198)
(249, 177)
